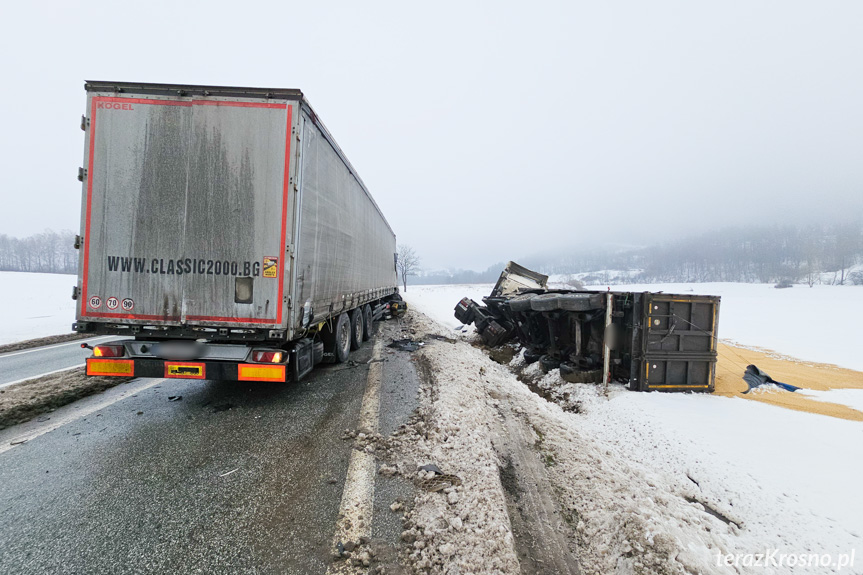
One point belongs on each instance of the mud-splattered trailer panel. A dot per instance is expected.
(221, 208)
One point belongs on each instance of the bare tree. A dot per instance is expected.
(46, 252)
(407, 263)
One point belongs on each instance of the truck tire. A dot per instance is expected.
(337, 339)
(532, 356)
(548, 363)
(571, 373)
(357, 329)
(545, 302)
(580, 301)
(368, 322)
(521, 303)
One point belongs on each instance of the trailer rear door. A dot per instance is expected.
(186, 210)
(678, 345)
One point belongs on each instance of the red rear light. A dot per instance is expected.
(261, 356)
(109, 351)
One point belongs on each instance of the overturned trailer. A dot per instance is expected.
(651, 341)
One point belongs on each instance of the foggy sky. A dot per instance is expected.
(485, 131)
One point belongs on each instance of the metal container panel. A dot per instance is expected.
(678, 348)
(345, 249)
(182, 196)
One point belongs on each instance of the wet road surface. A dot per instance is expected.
(24, 364)
(235, 477)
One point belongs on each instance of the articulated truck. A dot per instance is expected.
(225, 234)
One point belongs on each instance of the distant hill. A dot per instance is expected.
(814, 254)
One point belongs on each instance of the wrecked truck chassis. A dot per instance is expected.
(650, 341)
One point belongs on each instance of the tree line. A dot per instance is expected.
(816, 253)
(47, 252)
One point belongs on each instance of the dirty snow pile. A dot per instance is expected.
(458, 522)
(35, 305)
(656, 483)
(631, 518)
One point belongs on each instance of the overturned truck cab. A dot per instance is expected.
(651, 341)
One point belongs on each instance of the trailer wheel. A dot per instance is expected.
(545, 302)
(337, 341)
(357, 329)
(580, 301)
(521, 302)
(571, 373)
(367, 322)
(548, 363)
(532, 356)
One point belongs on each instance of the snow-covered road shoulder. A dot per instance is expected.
(621, 514)
(643, 483)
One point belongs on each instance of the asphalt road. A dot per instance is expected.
(235, 477)
(17, 366)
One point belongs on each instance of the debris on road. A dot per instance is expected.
(175, 398)
(433, 468)
(755, 378)
(406, 344)
(229, 472)
(441, 338)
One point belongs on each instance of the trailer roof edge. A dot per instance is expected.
(193, 89)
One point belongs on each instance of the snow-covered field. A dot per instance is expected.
(35, 305)
(791, 479)
(821, 323)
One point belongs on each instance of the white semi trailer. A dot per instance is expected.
(224, 232)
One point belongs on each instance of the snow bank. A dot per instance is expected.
(35, 305)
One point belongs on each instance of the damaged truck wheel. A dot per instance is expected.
(573, 374)
(548, 363)
(532, 356)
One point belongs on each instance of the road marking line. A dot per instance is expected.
(47, 347)
(358, 497)
(41, 375)
(60, 419)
